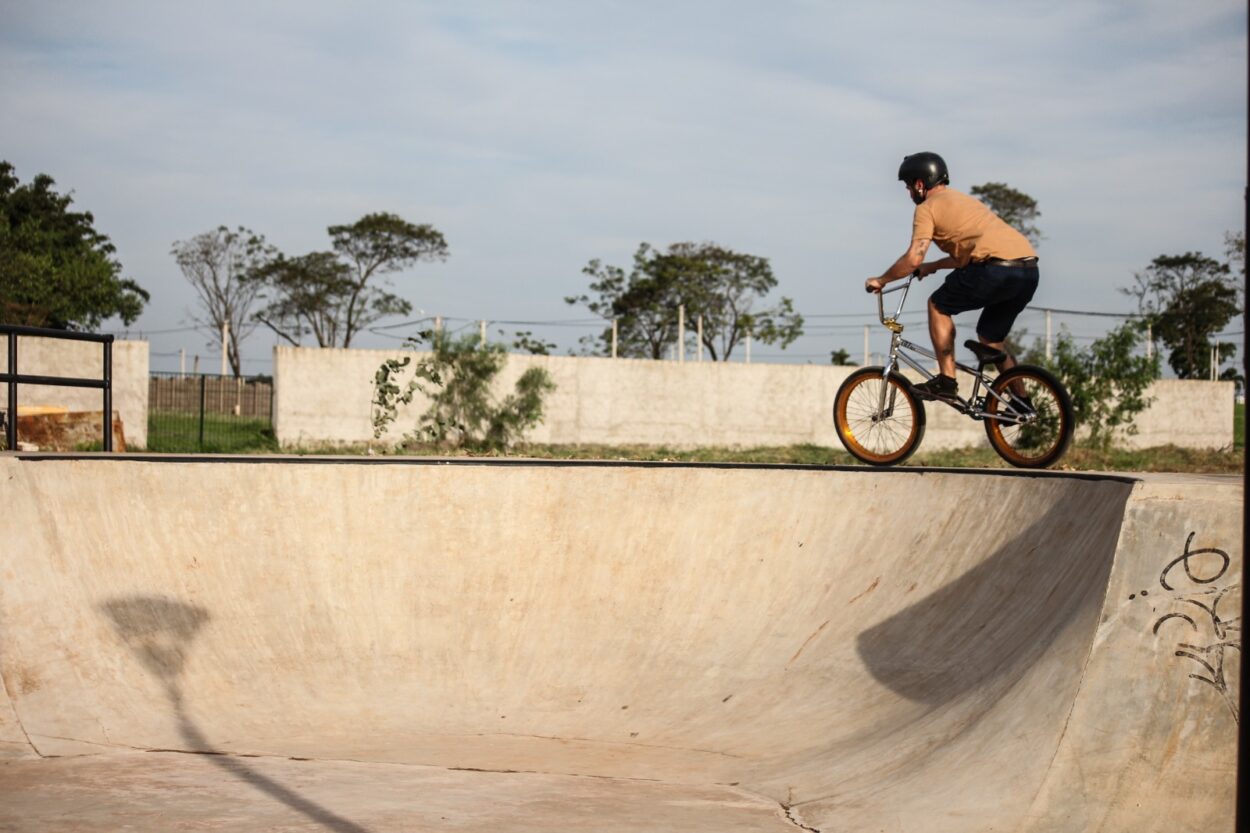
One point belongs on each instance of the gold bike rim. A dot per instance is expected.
(849, 432)
(1005, 445)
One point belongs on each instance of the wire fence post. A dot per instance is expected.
(10, 424)
(681, 333)
(108, 394)
(699, 339)
(225, 334)
(481, 328)
(614, 338)
(1048, 336)
(202, 383)
(748, 347)
(1150, 341)
(866, 356)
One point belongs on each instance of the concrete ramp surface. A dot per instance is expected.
(394, 645)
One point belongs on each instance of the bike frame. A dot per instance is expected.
(973, 406)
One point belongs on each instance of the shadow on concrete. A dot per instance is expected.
(159, 630)
(997, 619)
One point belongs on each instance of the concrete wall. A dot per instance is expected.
(324, 396)
(54, 357)
(1187, 413)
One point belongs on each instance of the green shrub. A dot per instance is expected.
(1107, 380)
(456, 376)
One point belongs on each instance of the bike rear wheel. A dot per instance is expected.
(1043, 436)
(879, 438)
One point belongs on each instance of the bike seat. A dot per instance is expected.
(984, 354)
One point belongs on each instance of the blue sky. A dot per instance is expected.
(537, 136)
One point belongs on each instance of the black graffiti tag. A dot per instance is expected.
(1185, 559)
(1216, 634)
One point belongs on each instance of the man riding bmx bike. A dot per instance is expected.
(995, 266)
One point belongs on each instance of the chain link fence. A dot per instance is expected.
(191, 413)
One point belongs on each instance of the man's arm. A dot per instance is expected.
(911, 260)
(929, 268)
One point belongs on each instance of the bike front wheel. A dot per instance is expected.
(878, 419)
(1029, 419)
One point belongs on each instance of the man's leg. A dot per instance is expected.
(942, 331)
(1007, 363)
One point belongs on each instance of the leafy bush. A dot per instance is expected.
(456, 376)
(1107, 379)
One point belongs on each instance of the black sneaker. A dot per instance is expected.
(939, 387)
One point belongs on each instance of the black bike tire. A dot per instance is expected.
(994, 432)
(847, 437)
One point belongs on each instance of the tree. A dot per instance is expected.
(333, 289)
(1187, 299)
(219, 265)
(1016, 208)
(840, 357)
(1235, 252)
(1107, 380)
(643, 303)
(305, 295)
(526, 342)
(718, 284)
(56, 270)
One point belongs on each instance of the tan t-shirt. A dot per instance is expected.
(964, 228)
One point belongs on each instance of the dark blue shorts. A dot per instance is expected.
(1000, 292)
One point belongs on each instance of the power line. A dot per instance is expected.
(1087, 312)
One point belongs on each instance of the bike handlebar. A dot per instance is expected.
(902, 286)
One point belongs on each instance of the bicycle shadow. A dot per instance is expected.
(996, 620)
(159, 631)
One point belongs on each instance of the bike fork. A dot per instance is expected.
(885, 410)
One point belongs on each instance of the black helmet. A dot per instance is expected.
(927, 167)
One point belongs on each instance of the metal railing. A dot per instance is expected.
(12, 378)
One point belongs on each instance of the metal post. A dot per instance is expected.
(182, 362)
(614, 338)
(748, 348)
(108, 394)
(481, 328)
(699, 338)
(681, 333)
(202, 378)
(438, 325)
(225, 334)
(10, 425)
(867, 357)
(1150, 341)
(1048, 336)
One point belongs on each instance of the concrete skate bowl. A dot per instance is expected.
(430, 645)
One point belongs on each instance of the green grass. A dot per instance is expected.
(1078, 458)
(180, 433)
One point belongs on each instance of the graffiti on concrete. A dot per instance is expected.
(1198, 582)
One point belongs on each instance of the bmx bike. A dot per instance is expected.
(880, 418)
